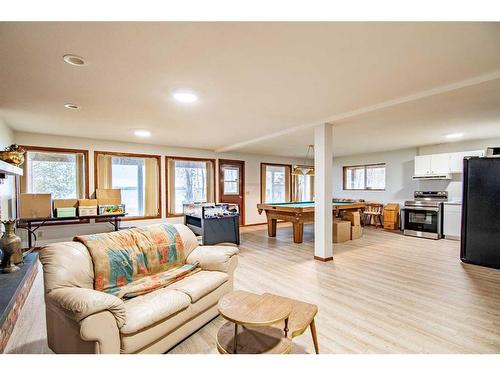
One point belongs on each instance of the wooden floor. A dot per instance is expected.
(383, 293)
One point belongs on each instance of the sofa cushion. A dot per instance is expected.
(200, 284)
(148, 309)
(213, 258)
(161, 336)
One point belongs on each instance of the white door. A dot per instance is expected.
(422, 165)
(456, 162)
(440, 163)
(452, 221)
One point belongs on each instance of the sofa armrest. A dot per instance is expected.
(79, 303)
(213, 258)
(101, 329)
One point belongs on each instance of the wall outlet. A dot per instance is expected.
(39, 234)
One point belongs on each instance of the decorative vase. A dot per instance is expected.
(10, 243)
(13, 155)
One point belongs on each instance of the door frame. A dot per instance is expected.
(242, 178)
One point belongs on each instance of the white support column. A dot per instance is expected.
(323, 155)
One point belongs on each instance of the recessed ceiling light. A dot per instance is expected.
(142, 133)
(454, 135)
(185, 96)
(74, 60)
(71, 106)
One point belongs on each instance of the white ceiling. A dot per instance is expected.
(255, 80)
(473, 111)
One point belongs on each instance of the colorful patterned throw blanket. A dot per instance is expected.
(136, 261)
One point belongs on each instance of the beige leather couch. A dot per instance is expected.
(83, 320)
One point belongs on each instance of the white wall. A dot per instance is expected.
(6, 135)
(7, 192)
(399, 170)
(479, 144)
(66, 232)
(453, 186)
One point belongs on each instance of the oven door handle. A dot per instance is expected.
(433, 209)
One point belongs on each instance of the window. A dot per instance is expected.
(231, 181)
(61, 172)
(364, 177)
(275, 182)
(189, 180)
(138, 178)
(303, 188)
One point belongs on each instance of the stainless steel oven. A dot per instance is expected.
(423, 217)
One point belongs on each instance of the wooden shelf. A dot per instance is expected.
(9, 169)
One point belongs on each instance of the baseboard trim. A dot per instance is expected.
(253, 225)
(264, 223)
(323, 259)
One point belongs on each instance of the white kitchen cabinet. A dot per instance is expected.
(442, 163)
(432, 164)
(452, 221)
(457, 160)
(422, 165)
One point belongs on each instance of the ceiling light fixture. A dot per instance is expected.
(74, 60)
(185, 97)
(304, 169)
(71, 106)
(142, 133)
(454, 135)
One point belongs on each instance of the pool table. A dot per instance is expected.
(299, 213)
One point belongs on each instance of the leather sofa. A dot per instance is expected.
(83, 320)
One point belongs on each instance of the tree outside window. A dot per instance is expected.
(364, 177)
(275, 183)
(189, 181)
(59, 173)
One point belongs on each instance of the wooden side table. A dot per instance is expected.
(301, 317)
(257, 316)
(265, 321)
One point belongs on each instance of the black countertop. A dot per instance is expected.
(12, 283)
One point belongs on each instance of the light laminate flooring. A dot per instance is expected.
(383, 293)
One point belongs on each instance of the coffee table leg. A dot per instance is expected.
(314, 336)
(235, 339)
(286, 327)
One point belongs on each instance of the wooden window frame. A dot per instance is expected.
(132, 155)
(262, 179)
(167, 195)
(61, 150)
(344, 176)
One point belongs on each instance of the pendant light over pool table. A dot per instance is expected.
(304, 170)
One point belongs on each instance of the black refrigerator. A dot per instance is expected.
(480, 240)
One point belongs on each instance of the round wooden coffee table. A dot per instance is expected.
(258, 316)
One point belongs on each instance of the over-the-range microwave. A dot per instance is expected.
(492, 152)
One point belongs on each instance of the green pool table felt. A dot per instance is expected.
(304, 204)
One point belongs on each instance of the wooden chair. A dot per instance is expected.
(373, 211)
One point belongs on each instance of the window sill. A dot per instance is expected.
(131, 218)
(174, 215)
